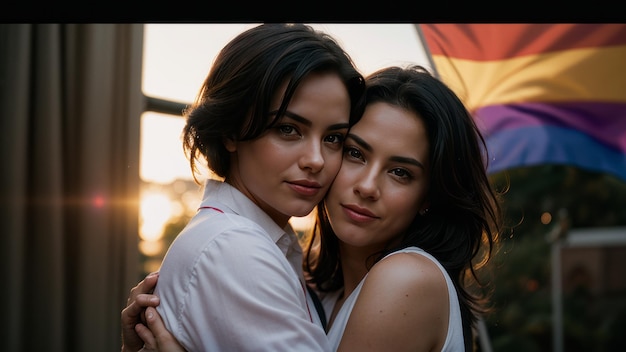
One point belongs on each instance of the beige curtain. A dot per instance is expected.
(70, 105)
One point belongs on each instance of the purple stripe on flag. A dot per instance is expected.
(605, 122)
(542, 144)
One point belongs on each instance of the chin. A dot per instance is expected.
(303, 211)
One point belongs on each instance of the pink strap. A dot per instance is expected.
(216, 209)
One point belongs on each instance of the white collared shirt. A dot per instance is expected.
(232, 281)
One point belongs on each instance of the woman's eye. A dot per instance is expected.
(286, 129)
(335, 138)
(353, 153)
(402, 173)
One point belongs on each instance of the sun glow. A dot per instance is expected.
(304, 223)
(156, 210)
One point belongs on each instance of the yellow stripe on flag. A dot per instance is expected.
(590, 74)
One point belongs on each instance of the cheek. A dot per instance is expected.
(404, 206)
(332, 162)
(252, 163)
(345, 178)
(265, 155)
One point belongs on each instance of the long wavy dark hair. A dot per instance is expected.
(463, 223)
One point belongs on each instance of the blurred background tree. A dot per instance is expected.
(522, 320)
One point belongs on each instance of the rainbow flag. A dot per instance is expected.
(541, 93)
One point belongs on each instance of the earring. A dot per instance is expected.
(424, 211)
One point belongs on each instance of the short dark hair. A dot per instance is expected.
(234, 100)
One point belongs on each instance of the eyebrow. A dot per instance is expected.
(363, 144)
(308, 123)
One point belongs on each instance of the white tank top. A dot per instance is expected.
(454, 338)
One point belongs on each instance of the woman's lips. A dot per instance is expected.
(358, 214)
(305, 188)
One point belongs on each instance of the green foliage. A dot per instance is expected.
(522, 319)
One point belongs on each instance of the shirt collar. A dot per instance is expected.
(223, 196)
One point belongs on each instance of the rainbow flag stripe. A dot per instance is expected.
(541, 93)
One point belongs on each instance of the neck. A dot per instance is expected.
(353, 266)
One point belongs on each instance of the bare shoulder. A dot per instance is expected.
(402, 294)
(408, 270)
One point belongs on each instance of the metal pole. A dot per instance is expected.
(557, 304)
(483, 336)
(429, 56)
(165, 106)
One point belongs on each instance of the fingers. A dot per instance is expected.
(143, 287)
(130, 317)
(158, 335)
(140, 297)
(132, 314)
(150, 343)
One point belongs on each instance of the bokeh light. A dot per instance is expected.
(155, 211)
(546, 218)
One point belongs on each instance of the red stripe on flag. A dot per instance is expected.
(486, 42)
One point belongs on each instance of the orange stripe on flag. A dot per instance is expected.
(487, 42)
